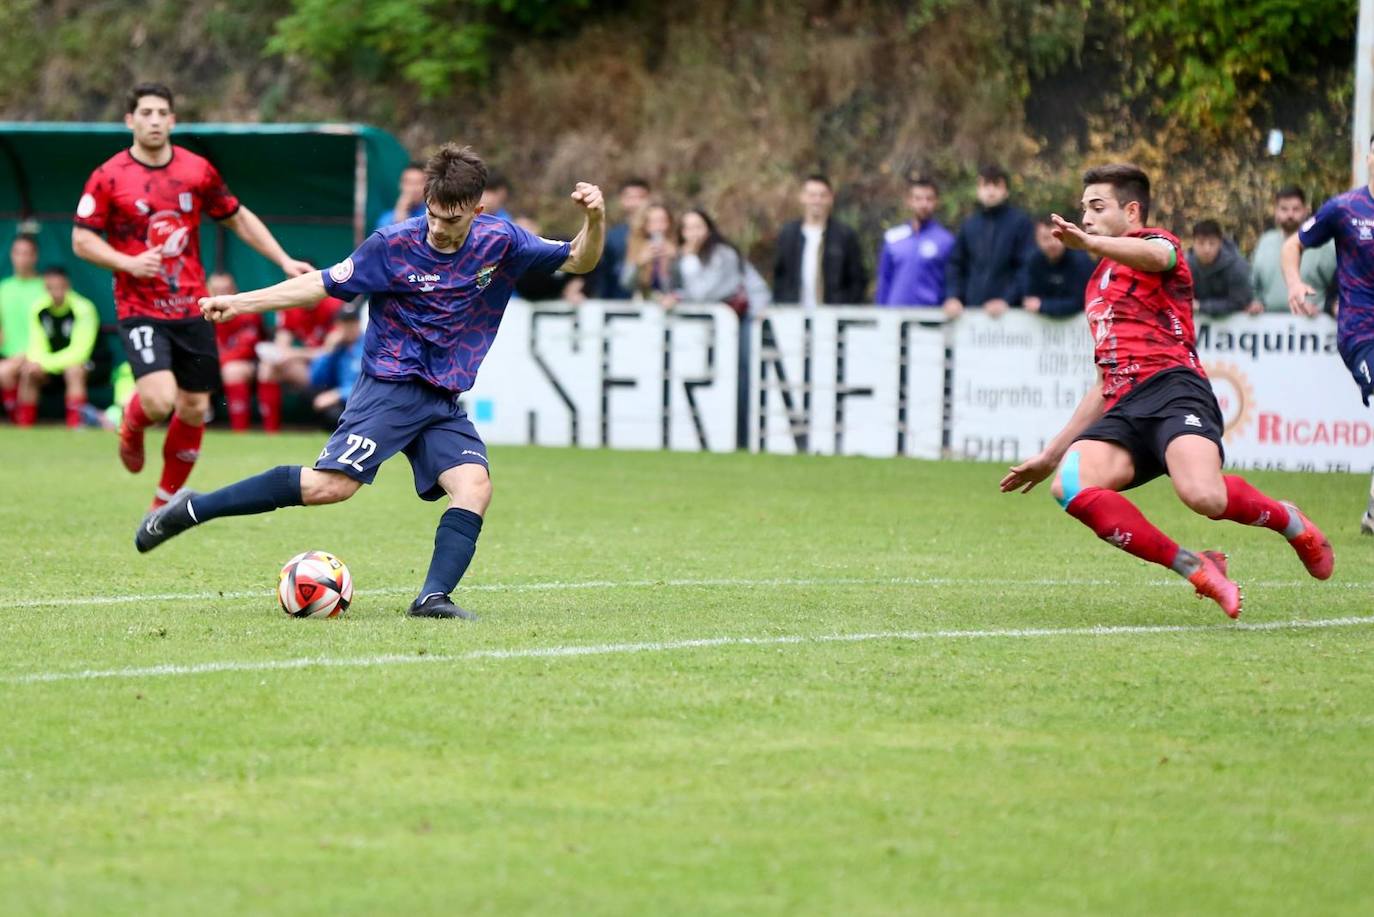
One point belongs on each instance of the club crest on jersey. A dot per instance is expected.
(184, 199)
(484, 276)
(340, 272)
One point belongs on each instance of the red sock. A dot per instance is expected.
(269, 405)
(134, 418)
(1116, 519)
(179, 454)
(9, 397)
(25, 414)
(1248, 506)
(236, 394)
(74, 406)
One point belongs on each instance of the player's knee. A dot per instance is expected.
(1206, 498)
(323, 487)
(1066, 481)
(192, 409)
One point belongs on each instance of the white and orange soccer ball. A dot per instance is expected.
(315, 584)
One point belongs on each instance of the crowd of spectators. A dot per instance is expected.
(997, 259)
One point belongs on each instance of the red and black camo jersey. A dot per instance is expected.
(139, 207)
(1141, 321)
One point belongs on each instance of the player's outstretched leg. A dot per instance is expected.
(262, 493)
(455, 542)
(1249, 506)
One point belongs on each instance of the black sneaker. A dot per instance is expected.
(163, 523)
(438, 606)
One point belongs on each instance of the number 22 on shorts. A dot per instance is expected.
(360, 444)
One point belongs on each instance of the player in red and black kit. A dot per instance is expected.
(302, 334)
(238, 361)
(1152, 411)
(147, 201)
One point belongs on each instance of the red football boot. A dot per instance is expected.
(131, 448)
(1312, 547)
(1211, 583)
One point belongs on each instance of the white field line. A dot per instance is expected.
(782, 583)
(611, 649)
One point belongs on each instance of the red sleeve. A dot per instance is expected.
(93, 210)
(218, 201)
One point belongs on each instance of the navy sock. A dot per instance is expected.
(454, 544)
(262, 493)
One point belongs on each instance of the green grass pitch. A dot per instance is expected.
(701, 684)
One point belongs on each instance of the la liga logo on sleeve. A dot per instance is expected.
(340, 272)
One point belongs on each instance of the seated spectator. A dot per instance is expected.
(238, 340)
(18, 293)
(410, 199)
(496, 195)
(555, 285)
(1221, 278)
(987, 264)
(650, 254)
(605, 279)
(302, 334)
(63, 326)
(911, 264)
(818, 258)
(1056, 276)
(1318, 266)
(708, 269)
(334, 372)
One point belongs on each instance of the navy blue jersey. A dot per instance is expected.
(433, 316)
(1349, 219)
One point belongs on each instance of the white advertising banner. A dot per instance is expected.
(611, 374)
(846, 381)
(1286, 396)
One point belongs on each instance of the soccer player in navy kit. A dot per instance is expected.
(439, 284)
(1349, 219)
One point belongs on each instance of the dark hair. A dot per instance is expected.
(635, 183)
(821, 179)
(1207, 229)
(993, 174)
(1288, 192)
(922, 181)
(713, 236)
(26, 237)
(496, 180)
(414, 165)
(55, 270)
(454, 177)
(148, 89)
(1129, 183)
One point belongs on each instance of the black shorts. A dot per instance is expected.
(1174, 403)
(188, 348)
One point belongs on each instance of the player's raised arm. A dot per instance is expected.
(252, 230)
(585, 249)
(1156, 255)
(302, 290)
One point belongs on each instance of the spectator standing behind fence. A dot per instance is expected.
(410, 199)
(496, 195)
(708, 269)
(1221, 277)
(1266, 271)
(1056, 275)
(238, 362)
(650, 254)
(63, 326)
(911, 264)
(18, 293)
(334, 372)
(604, 282)
(987, 265)
(818, 259)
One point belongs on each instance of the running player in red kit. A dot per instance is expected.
(1152, 410)
(148, 200)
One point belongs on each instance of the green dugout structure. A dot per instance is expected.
(319, 188)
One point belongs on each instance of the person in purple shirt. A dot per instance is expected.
(438, 286)
(1349, 219)
(911, 265)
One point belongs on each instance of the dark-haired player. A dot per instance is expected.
(1349, 219)
(1152, 411)
(148, 200)
(438, 286)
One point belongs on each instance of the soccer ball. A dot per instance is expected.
(315, 584)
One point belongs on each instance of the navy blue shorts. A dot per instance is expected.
(385, 417)
(1359, 359)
